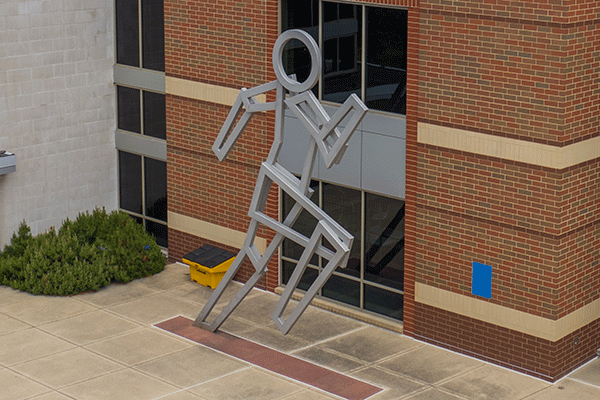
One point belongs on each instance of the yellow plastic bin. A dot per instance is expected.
(208, 264)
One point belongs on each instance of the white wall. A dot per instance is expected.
(57, 110)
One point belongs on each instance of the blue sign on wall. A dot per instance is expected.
(482, 280)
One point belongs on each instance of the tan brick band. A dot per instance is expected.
(203, 91)
(544, 328)
(213, 232)
(509, 149)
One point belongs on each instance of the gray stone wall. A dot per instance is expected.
(57, 110)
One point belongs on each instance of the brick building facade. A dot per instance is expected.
(493, 159)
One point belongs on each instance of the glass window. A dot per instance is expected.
(344, 206)
(130, 182)
(128, 109)
(374, 276)
(127, 27)
(155, 121)
(343, 290)
(377, 74)
(159, 231)
(308, 277)
(128, 34)
(153, 38)
(296, 58)
(386, 59)
(342, 28)
(384, 241)
(384, 302)
(143, 192)
(155, 180)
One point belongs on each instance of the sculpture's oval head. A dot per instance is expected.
(315, 55)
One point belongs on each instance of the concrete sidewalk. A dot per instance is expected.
(133, 341)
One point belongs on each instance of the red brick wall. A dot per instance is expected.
(225, 43)
(512, 349)
(538, 228)
(412, 112)
(222, 42)
(522, 70)
(579, 273)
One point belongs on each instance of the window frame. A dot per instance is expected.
(361, 280)
(143, 215)
(141, 43)
(363, 57)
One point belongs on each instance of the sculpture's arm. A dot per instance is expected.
(229, 133)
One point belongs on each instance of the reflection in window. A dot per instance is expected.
(155, 180)
(374, 277)
(342, 29)
(386, 59)
(379, 71)
(296, 58)
(153, 38)
(143, 192)
(343, 205)
(152, 52)
(130, 182)
(128, 109)
(127, 32)
(155, 121)
(384, 241)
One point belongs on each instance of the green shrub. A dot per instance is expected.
(86, 254)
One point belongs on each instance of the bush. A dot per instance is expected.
(86, 254)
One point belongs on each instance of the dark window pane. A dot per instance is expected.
(342, 289)
(386, 59)
(342, 32)
(299, 15)
(139, 220)
(384, 240)
(159, 231)
(343, 205)
(384, 302)
(155, 176)
(305, 224)
(153, 36)
(128, 109)
(130, 182)
(127, 24)
(308, 277)
(155, 122)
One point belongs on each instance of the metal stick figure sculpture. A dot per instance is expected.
(329, 141)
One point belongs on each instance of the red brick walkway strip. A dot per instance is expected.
(272, 360)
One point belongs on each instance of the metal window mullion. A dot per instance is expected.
(320, 291)
(132, 213)
(322, 80)
(363, 55)
(141, 46)
(284, 258)
(158, 221)
(362, 248)
(280, 218)
(144, 190)
(384, 287)
(142, 112)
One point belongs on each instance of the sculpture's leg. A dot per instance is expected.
(216, 295)
(340, 258)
